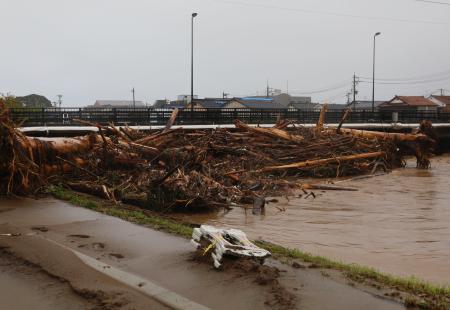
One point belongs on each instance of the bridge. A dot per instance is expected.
(66, 122)
(48, 117)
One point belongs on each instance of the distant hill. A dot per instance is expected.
(34, 101)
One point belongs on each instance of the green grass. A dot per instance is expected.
(135, 215)
(433, 296)
(425, 295)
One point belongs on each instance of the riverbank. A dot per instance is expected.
(395, 222)
(45, 232)
(415, 290)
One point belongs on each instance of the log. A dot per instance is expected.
(328, 187)
(344, 118)
(119, 133)
(322, 162)
(156, 136)
(90, 188)
(61, 146)
(270, 132)
(384, 135)
(171, 120)
(321, 120)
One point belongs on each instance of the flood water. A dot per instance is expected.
(398, 223)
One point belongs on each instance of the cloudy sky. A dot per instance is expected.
(100, 49)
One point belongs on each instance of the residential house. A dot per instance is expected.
(186, 98)
(284, 99)
(335, 107)
(253, 103)
(364, 105)
(304, 107)
(409, 103)
(209, 103)
(442, 101)
(118, 104)
(161, 104)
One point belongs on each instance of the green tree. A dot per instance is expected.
(34, 101)
(11, 101)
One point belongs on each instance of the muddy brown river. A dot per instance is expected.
(398, 223)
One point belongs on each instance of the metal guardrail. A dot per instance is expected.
(148, 116)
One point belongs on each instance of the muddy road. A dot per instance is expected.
(397, 223)
(39, 241)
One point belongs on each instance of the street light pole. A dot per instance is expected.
(192, 62)
(373, 77)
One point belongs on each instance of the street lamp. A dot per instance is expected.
(373, 77)
(192, 62)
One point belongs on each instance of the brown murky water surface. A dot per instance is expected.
(398, 223)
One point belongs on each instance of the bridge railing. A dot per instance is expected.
(150, 117)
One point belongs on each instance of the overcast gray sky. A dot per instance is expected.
(100, 49)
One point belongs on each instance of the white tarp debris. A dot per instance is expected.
(232, 242)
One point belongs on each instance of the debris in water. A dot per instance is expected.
(198, 170)
(11, 235)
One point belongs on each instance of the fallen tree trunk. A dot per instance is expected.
(321, 121)
(383, 135)
(171, 121)
(270, 132)
(321, 162)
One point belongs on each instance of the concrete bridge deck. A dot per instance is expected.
(442, 128)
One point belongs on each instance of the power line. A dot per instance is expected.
(316, 12)
(323, 90)
(434, 2)
(410, 83)
(421, 77)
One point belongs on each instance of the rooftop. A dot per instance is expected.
(118, 103)
(262, 103)
(364, 104)
(443, 99)
(415, 101)
(305, 106)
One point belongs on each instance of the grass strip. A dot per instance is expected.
(434, 296)
(135, 215)
(430, 296)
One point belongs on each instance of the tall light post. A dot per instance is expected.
(373, 77)
(192, 62)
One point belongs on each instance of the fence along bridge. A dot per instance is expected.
(49, 117)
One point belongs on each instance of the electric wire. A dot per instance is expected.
(317, 12)
(421, 77)
(409, 82)
(434, 2)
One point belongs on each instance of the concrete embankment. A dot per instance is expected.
(45, 234)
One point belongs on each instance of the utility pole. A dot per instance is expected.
(354, 90)
(225, 95)
(355, 83)
(442, 92)
(268, 89)
(59, 100)
(192, 63)
(348, 97)
(134, 101)
(373, 76)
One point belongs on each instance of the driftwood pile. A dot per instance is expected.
(191, 170)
